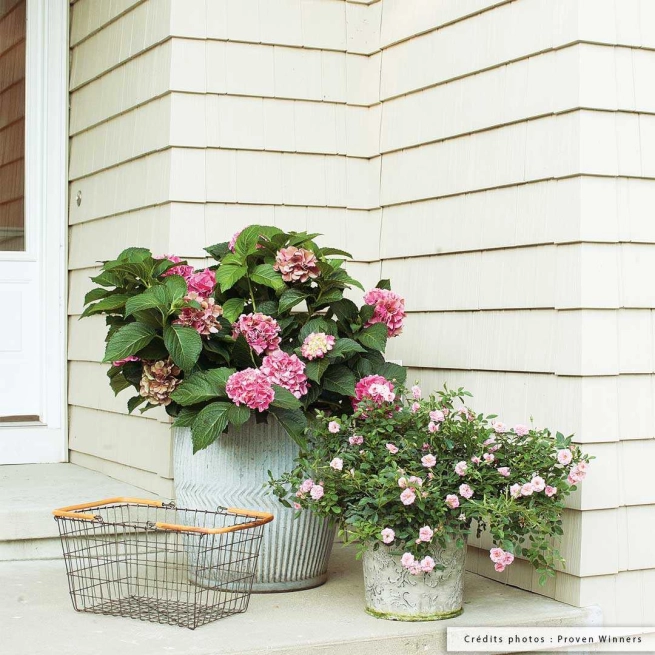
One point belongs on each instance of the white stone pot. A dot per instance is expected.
(233, 472)
(392, 592)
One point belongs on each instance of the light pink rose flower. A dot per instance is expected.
(475, 459)
(402, 483)
(297, 506)
(383, 391)
(437, 415)
(407, 497)
(416, 392)
(389, 309)
(407, 560)
(428, 460)
(131, 358)
(499, 427)
(425, 533)
(251, 388)
(415, 480)
(461, 468)
(583, 467)
(452, 501)
(356, 440)
(433, 427)
(306, 486)
(488, 457)
(521, 430)
(465, 491)
(415, 407)
(317, 492)
(317, 345)
(489, 441)
(337, 464)
(504, 471)
(500, 567)
(334, 427)
(564, 456)
(508, 558)
(527, 489)
(388, 535)
(493, 449)
(260, 331)
(287, 371)
(427, 564)
(415, 568)
(462, 517)
(550, 491)
(296, 264)
(202, 282)
(391, 448)
(496, 555)
(538, 483)
(515, 490)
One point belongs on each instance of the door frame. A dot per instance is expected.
(46, 221)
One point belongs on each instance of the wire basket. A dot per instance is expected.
(152, 561)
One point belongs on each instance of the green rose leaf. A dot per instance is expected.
(315, 369)
(284, 398)
(233, 308)
(340, 379)
(209, 424)
(265, 274)
(202, 386)
(228, 275)
(128, 340)
(374, 336)
(293, 421)
(238, 415)
(290, 298)
(184, 344)
(186, 417)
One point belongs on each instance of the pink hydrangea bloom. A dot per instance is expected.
(564, 456)
(393, 449)
(317, 492)
(204, 320)
(527, 489)
(131, 358)
(182, 270)
(452, 501)
(416, 392)
(286, 371)
(296, 264)
(316, 345)
(428, 460)
(504, 471)
(389, 309)
(499, 427)
(356, 440)
(538, 483)
(515, 490)
(461, 468)
(250, 387)
(437, 415)
(465, 491)
(427, 564)
(550, 491)
(521, 429)
(508, 558)
(233, 240)
(407, 497)
(425, 533)
(306, 486)
(407, 560)
(415, 407)
(363, 389)
(388, 535)
(337, 464)
(500, 567)
(260, 331)
(496, 555)
(202, 282)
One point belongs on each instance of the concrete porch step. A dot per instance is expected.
(330, 620)
(29, 493)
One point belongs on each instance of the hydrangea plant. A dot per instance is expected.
(408, 471)
(266, 330)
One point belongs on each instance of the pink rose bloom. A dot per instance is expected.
(521, 430)
(499, 427)
(488, 457)
(297, 506)
(538, 483)
(182, 270)
(407, 560)
(415, 480)
(452, 501)
(550, 491)
(427, 564)
(407, 497)
(355, 440)
(286, 371)
(564, 456)
(131, 358)
(204, 320)
(260, 331)
(402, 483)
(415, 407)
(515, 490)
(508, 558)
(251, 388)
(428, 461)
(425, 533)
(465, 491)
(334, 427)
(388, 535)
(296, 264)
(527, 489)
(389, 309)
(496, 555)
(391, 448)
(461, 468)
(489, 441)
(475, 459)
(433, 427)
(416, 392)
(337, 464)
(363, 389)
(583, 467)
(493, 449)
(202, 282)
(233, 240)
(382, 391)
(504, 471)
(316, 492)
(306, 486)
(500, 567)
(316, 345)
(437, 415)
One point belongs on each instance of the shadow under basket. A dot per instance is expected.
(152, 561)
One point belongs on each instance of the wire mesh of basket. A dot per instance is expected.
(153, 561)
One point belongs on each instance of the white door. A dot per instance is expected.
(33, 156)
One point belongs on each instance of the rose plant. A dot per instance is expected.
(408, 471)
(265, 330)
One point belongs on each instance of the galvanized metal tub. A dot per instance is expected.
(233, 472)
(393, 593)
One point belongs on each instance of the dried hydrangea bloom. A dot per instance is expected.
(204, 320)
(389, 309)
(296, 264)
(286, 371)
(158, 381)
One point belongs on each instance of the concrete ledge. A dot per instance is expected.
(330, 620)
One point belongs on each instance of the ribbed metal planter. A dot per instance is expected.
(232, 472)
(393, 593)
